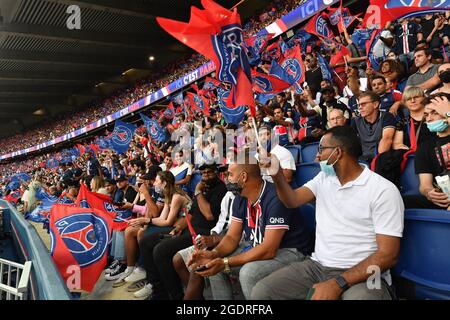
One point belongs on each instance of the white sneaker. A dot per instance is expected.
(120, 280)
(137, 275)
(144, 292)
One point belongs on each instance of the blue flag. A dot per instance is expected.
(324, 67)
(122, 136)
(178, 99)
(156, 132)
(40, 213)
(231, 115)
(278, 71)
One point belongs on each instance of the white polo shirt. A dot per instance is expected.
(349, 217)
(284, 156)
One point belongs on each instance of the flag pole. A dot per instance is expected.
(236, 4)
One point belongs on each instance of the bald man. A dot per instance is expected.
(273, 235)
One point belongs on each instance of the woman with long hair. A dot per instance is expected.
(175, 202)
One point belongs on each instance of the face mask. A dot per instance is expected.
(234, 187)
(326, 168)
(445, 76)
(438, 125)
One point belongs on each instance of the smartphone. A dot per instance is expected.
(201, 269)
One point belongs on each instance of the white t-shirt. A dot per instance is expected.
(347, 93)
(380, 49)
(349, 217)
(284, 156)
(226, 211)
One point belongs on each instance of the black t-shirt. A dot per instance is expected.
(214, 196)
(314, 78)
(130, 194)
(427, 26)
(424, 133)
(428, 159)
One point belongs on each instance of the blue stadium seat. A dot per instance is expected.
(309, 152)
(409, 181)
(296, 152)
(424, 256)
(306, 172)
(195, 179)
(308, 213)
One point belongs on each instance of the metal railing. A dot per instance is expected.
(14, 278)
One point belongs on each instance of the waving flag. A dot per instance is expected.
(360, 37)
(255, 46)
(324, 67)
(79, 241)
(373, 62)
(318, 26)
(122, 136)
(266, 83)
(178, 98)
(154, 129)
(88, 199)
(216, 33)
(41, 212)
(211, 83)
(300, 37)
(198, 103)
(169, 113)
(279, 72)
(292, 63)
(382, 11)
(231, 115)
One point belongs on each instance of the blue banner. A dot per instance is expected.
(122, 135)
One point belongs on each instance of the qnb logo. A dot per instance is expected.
(73, 22)
(293, 68)
(276, 220)
(85, 235)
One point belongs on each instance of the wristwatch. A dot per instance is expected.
(447, 115)
(226, 265)
(342, 283)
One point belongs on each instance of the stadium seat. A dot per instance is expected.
(309, 152)
(306, 172)
(424, 256)
(296, 152)
(409, 181)
(308, 213)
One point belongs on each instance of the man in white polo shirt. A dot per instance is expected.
(359, 223)
(284, 156)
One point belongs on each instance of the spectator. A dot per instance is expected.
(337, 118)
(274, 235)
(426, 76)
(390, 101)
(431, 157)
(444, 76)
(346, 242)
(313, 74)
(375, 129)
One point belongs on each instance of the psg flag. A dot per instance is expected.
(216, 33)
(122, 135)
(79, 239)
(88, 199)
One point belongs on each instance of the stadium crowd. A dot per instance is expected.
(68, 122)
(366, 121)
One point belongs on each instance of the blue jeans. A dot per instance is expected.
(118, 245)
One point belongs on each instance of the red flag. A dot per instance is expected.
(318, 26)
(216, 33)
(81, 148)
(79, 239)
(94, 147)
(195, 87)
(99, 201)
(293, 64)
(377, 14)
(198, 103)
(190, 227)
(266, 83)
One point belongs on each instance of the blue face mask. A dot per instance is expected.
(438, 125)
(326, 168)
